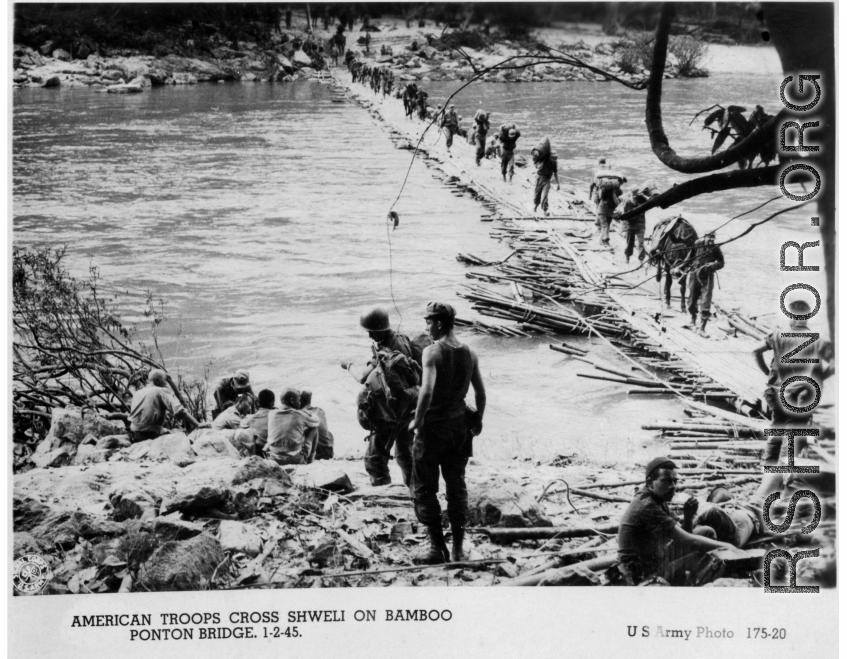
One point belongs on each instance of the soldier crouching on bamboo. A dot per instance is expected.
(443, 434)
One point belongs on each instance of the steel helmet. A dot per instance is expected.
(375, 320)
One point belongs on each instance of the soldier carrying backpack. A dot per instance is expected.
(386, 403)
(605, 192)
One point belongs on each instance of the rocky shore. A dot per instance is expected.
(413, 54)
(187, 512)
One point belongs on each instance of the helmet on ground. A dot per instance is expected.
(375, 320)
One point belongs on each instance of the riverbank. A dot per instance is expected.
(187, 512)
(413, 54)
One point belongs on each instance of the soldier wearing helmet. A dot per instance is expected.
(814, 361)
(384, 434)
(443, 427)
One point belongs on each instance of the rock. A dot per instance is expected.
(274, 488)
(124, 89)
(66, 425)
(27, 513)
(507, 570)
(504, 503)
(129, 501)
(175, 447)
(19, 78)
(186, 565)
(63, 55)
(249, 77)
(140, 81)
(213, 443)
(112, 75)
(89, 454)
(256, 467)
(324, 477)
(285, 63)
(157, 76)
(113, 441)
(302, 59)
(238, 537)
(64, 528)
(172, 528)
(93, 424)
(195, 500)
(327, 554)
(45, 457)
(183, 79)
(24, 543)
(47, 48)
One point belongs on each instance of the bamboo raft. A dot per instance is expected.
(556, 261)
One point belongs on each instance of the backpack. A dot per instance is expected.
(390, 391)
(608, 191)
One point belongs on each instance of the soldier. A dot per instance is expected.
(443, 434)
(229, 389)
(386, 427)
(704, 260)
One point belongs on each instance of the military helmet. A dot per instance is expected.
(375, 320)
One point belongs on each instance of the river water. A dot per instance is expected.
(257, 212)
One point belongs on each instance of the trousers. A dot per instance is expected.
(480, 147)
(542, 191)
(442, 446)
(378, 452)
(634, 233)
(507, 163)
(700, 291)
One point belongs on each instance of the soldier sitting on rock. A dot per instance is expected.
(151, 406)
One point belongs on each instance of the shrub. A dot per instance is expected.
(689, 52)
(635, 53)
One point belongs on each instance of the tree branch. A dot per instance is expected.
(742, 178)
(746, 149)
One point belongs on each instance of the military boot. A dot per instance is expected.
(457, 554)
(702, 329)
(438, 552)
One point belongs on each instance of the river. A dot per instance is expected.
(257, 212)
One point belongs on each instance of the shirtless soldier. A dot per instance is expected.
(442, 439)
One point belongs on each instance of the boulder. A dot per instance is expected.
(89, 454)
(63, 55)
(93, 424)
(124, 89)
(301, 59)
(27, 513)
(239, 537)
(174, 447)
(66, 425)
(113, 442)
(112, 75)
(47, 48)
(24, 543)
(327, 555)
(19, 78)
(195, 500)
(64, 528)
(323, 477)
(140, 81)
(172, 528)
(256, 467)
(249, 77)
(214, 443)
(499, 503)
(285, 63)
(185, 565)
(129, 501)
(45, 456)
(183, 79)
(157, 76)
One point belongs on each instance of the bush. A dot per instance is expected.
(689, 52)
(635, 53)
